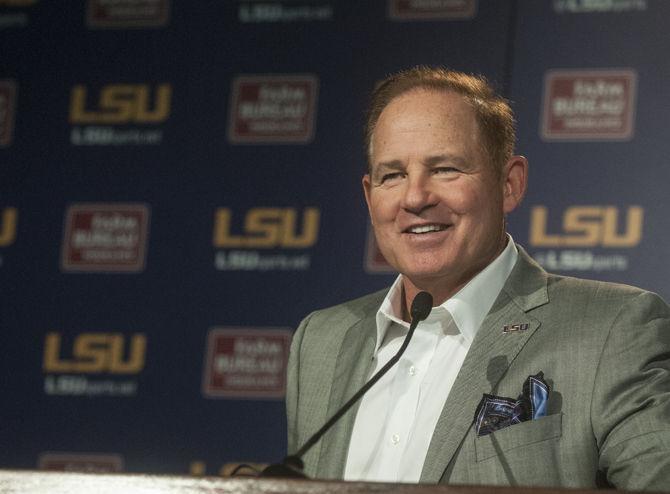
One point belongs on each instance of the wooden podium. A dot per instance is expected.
(40, 482)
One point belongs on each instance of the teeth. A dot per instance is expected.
(426, 229)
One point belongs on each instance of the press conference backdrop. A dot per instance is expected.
(181, 185)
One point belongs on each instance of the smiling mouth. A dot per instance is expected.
(426, 229)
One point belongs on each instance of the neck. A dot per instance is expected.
(439, 291)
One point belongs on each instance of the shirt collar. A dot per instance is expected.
(468, 307)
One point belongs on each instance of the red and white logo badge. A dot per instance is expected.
(105, 237)
(7, 110)
(374, 259)
(273, 109)
(80, 462)
(589, 104)
(127, 13)
(246, 363)
(431, 9)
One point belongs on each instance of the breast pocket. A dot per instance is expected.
(518, 435)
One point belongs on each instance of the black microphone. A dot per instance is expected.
(292, 465)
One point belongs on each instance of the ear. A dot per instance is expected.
(514, 181)
(367, 186)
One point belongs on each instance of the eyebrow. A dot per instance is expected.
(442, 158)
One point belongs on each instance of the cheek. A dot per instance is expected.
(477, 207)
(381, 209)
(466, 200)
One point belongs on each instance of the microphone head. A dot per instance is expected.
(421, 306)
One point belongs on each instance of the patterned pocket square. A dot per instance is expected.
(497, 412)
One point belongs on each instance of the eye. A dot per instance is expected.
(441, 170)
(390, 177)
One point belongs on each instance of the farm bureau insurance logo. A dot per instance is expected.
(57, 461)
(375, 262)
(127, 13)
(7, 111)
(272, 109)
(246, 362)
(72, 366)
(589, 104)
(586, 237)
(105, 238)
(431, 9)
(281, 231)
(119, 114)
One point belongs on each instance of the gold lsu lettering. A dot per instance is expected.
(94, 353)
(8, 227)
(266, 228)
(587, 226)
(122, 104)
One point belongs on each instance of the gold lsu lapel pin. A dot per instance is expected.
(515, 328)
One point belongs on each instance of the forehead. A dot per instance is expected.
(438, 106)
(425, 118)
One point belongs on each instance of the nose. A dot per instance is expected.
(418, 195)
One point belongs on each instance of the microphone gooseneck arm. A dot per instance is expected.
(421, 307)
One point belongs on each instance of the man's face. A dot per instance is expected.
(436, 205)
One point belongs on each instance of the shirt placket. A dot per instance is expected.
(404, 398)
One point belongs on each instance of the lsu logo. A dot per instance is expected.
(513, 328)
(96, 353)
(588, 226)
(267, 228)
(121, 104)
(8, 226)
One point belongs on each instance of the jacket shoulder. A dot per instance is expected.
(601, 293)
(346, 314)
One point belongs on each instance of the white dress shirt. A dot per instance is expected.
(397, 417)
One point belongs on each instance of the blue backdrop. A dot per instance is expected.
(180, 184)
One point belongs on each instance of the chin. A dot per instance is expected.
(426, 272)
(428, 265)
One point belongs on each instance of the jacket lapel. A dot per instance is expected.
(490, 355)
(354, 363)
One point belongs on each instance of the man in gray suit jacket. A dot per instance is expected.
(442, 176)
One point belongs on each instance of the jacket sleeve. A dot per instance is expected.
(631, 397)
(292, 385)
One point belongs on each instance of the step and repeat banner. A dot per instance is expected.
(180, 185)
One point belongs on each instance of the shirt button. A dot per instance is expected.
(412, 370)
(395, 439)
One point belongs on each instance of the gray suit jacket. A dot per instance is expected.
(603, 348)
